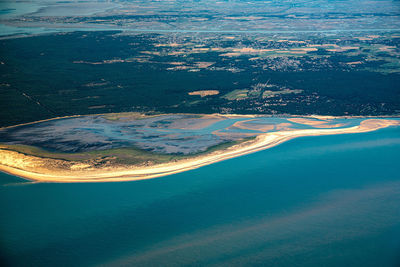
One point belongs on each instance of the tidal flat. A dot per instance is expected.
(135, 146)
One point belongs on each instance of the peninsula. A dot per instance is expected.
(132, 146)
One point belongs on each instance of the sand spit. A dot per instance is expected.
(34, 168)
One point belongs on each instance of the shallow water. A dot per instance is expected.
(165, 133)
(328, 200)
(13, 8)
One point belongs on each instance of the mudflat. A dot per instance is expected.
(102, 148)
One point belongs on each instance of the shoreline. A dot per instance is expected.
(234, 115)
(132, 173)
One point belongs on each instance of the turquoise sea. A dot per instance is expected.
(312, 201)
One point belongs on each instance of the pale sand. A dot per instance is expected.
(263, 141)
(319, 123)
(307, 121)
(354, 63)
(204, 93)
(247, 125)
(284, 126)
(330, 125)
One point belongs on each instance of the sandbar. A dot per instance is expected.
(21, 165)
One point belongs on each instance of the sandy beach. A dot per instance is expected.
(21, 165)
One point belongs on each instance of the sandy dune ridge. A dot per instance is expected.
(24, 166)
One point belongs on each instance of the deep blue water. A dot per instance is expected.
(312, 201)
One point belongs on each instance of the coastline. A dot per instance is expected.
(132, 173)
(233, 115)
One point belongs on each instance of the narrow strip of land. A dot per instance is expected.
(13, 162)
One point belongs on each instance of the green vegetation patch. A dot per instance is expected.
(128, 155)
(236, 94)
